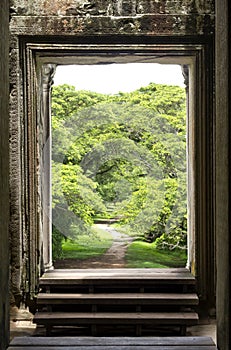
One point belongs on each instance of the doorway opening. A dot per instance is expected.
(119, 166)
(38, 67)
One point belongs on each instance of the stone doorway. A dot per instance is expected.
(45, 148)
(40, 61)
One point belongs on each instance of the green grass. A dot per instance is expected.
(145, 255)
(139, 254)
(87, 246)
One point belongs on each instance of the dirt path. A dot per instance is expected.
(113, 258)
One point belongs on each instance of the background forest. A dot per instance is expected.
(120, 159)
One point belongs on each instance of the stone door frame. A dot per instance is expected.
(39, 60)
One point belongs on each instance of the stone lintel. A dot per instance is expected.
(110, 7)
(152, 24)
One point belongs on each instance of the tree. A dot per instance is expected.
(128, 150)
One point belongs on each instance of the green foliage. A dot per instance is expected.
(57, 240)
(121, 155)
(75, 200)
(79, 192)
(66, 101)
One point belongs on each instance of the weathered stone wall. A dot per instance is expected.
(222, 195)
(4, 174)
(74, 20)
(16, 145)
(91, 17)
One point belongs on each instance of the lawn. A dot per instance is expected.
(139, 254)
(143, 255)
(87, 246)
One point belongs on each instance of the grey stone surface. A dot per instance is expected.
(4, 176)
(222, 219)
(151, 24)
(111, 7)
(15, 177)
(91, 17)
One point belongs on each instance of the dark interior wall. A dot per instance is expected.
(222, 218)
(4, 174)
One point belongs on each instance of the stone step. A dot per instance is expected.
(104, 297)
(117, 278)
(109, 318)
(118, 299)
(112, 341)
(115, 343)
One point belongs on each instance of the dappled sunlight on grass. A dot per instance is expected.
(87, 246)
(146, 255)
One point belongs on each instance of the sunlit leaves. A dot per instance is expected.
(126, 152)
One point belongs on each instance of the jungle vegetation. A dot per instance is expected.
(120, 157)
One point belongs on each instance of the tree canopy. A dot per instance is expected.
(121, 156)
